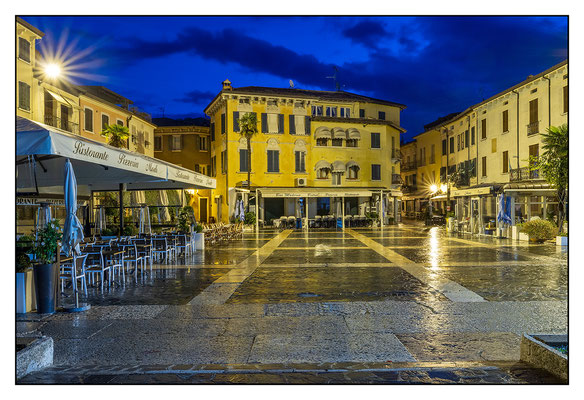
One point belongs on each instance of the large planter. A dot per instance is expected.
(561, 240)
(523, 236)
(515, 232)
(25, 292)
(199, 241)
(449, 224)
(46, 278)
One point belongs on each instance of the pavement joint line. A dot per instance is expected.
(450, 289)
(252, 262)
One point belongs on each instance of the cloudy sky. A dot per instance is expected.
(433, 65)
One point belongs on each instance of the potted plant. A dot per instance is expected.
(539, 230)
(562, 239)
(46, 272)
(199, 237)
(25, 299)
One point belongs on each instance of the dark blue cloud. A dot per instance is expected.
(198, 97)
(367, 33)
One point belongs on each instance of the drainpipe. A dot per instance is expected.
(477, 143)
(517, 93)
(549, 100)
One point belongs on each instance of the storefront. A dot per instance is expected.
(311, 204)
(531, 200)
(476, 209)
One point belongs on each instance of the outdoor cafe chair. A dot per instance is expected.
(291, 222)
(66, 273)
(131, 257)
(183, 244)
(145, 252)
(116, 262)
(95, 265)
(160, 248)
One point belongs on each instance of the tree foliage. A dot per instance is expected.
(553, 164)
(117, 135)
(248, 127)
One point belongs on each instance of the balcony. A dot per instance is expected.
(409, 188)
(62, 124)
(396, 179)
(533, 128)
(523, 174)
(408, 166)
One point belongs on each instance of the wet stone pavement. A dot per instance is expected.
(403, 304)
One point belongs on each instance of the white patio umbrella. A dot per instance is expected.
(241, 210)
(145, 219)
(163, 214)
(73, 230)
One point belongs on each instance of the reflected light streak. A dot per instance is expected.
(434, 251)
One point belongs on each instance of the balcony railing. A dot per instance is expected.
(408, 166)
(396, 179)
(523, 174)
(533, 128)
(62, 124)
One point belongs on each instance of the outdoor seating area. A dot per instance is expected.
(220, 232)
(108, 260)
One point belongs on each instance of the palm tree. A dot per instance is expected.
(553, 165)
(116, 134)
(248, 126)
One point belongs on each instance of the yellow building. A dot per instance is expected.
(409, 176)
(485, 151)
(27, 101)
(188, 147)
(316, 153)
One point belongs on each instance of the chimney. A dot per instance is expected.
(529, 76)
(227, 85)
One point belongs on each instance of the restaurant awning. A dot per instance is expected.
(41, 151)
(338, 166)
(316, 192)
(322, 132)
(353, 133)
(339, 133)
(61, 99)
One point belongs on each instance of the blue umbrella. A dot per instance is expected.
(502, 216)
(73, 230)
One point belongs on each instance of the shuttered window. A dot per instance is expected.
(23, 96)
(452, 145)
(224, 161)
(375, 140)
(494, 145)
(533, 114)
(157, 143)
(222, 123)
(484, 166)
(243, 166)
(235, 121)
(299, 158)
(264, 123)
(307, 125)
(375, 172)
(444, 147)
(484, 128)
(273, 161)
(104, 121)
(292, 125)
(565, 99)
(505, 121)
(24, 49)
(88, 114)
(382, 115)
(466, 142)
(212, 130)
(280, 123)
(505, 162)
(472, 136)
(177, 142)
(361, 113)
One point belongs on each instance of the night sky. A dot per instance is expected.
(433, 65)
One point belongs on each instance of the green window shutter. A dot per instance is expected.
(235, 121)
(297, 161)
(222, 123)
(212, 131)
(277, 158)
(280, 123)
(264, 123)
(292, 125)
(307, 125)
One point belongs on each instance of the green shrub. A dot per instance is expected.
(250, 218)
(198, 228)
(564, 233)
(130, 230)
(539, 229)
(22, 262)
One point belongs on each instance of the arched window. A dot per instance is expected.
(353, 170)
(323, 169)
(322, 134)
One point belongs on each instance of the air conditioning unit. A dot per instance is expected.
(300, 182)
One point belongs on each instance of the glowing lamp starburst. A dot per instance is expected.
(53, 71)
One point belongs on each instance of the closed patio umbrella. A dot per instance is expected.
(163, 214)
(241, 211)
(73, 230)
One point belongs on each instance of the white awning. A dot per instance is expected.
(322, 132)
(352, 164)
(439, 197)
(339, 166)
(353, 133)
(97, 165)
(315, 192)
(339, 133)
(61, 99)
(322, 164)
(472, 191)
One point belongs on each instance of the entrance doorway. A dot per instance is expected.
(203, 207)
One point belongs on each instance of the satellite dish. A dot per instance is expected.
(291, 83)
